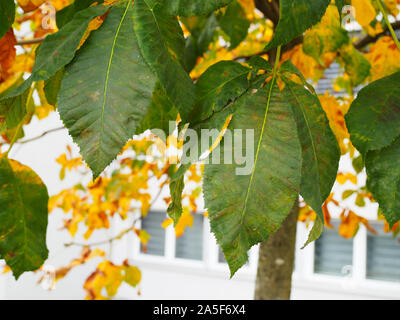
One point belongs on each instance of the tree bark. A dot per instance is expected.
(276, 261)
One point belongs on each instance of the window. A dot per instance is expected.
(190, 244)
(152, 224)
(333, 253)
(383, 256)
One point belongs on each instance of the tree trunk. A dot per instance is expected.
(276, 261)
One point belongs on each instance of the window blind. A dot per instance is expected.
(332, 253)
(190, 244)
(383, 256)
(152, 224)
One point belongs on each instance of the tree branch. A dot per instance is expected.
(366, 40)
(29, 41)
(269, 9)
(41, 136)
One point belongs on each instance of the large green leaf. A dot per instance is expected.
(162, 44)
(320, 150)
(176, 189)
(188, 8)
(23, 212)
(234, 23)
(245, 209)
(106, 90)
(217, 86)
(374, 117)
(59, 49)
(7, 15)
(383, 170)
(296, 16)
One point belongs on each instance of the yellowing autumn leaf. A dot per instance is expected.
(249, 8)
(384, 57)
(185, 221)
(365, 11)
(133, 275)
(350, 223)
(93, 25)
(30, 5)
(68, 163)
(392, 5)
(109, 276)
(342, 178)
(308, 66)
(335, 112)
(7, 54)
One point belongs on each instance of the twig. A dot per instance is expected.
(41, 136)
(366, 40)
(30, 41)
(110, 240)
(120, 235)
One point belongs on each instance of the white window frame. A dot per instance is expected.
(356, 283)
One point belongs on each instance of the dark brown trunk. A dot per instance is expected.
(276, 261)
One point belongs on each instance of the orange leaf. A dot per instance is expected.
(7, 54)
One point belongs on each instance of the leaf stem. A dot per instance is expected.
(14, 139)
(277, 59)
(392, 32)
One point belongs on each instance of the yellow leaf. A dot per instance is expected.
(132, 275)
(365, 12)
(384, 57)
(166, 223)
(186, 220)
(343, 178)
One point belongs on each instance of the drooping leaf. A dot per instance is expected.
(245, 209)
(58, 49)
(218, 85)
(52, 87)
(374, 117)
(383, 171)
(189, 8)
(296, 16)
(23, 211)
(325, 37)
(234, 23)
(162, 44)
(7, 15)
(175, 208)
(320, 150)
(355, 64)
(106, 90)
